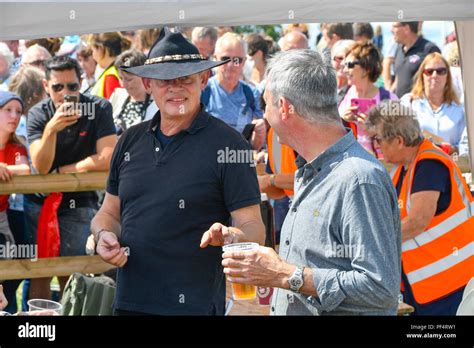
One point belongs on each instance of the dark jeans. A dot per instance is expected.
(74, 227)
(16, 221)
(280, 209)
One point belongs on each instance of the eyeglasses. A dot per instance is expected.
(58, 87)
(338, 59)
(439, 71)
(377, 140)
(235, 60)
(352, 64)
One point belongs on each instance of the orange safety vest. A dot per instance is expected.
(440, 260)
(281, 158)
(353, 127)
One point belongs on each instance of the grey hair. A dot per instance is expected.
(341, 46)
(203, 32)
(308, 81)
(231, 37)
(6, 53)
(32, 51)
(395, 120)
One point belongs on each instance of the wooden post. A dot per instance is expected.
(50, 267)
(55, 183)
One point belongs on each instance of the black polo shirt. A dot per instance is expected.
(168, 198)
(75, 142)
(407, 64)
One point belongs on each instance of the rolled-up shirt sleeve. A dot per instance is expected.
(371, 236)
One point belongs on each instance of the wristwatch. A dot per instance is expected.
(297, 279)
(272, 180)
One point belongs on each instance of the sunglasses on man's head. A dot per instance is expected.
(38, 63)
(439, 71)
(234, 60)
(58, 87)
(352, 64)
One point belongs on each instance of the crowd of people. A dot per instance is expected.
(153, 108)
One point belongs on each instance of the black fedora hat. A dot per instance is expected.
(172, 57)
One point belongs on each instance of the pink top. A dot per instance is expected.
(362, 136)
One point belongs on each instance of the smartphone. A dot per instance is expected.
(363, 105)
(71, 98)
(248, 129)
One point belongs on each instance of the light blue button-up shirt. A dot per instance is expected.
(446, 122)
(233, 108)
(344, 224)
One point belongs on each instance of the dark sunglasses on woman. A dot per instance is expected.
(439, 71)
(352, 64)
(73, 87)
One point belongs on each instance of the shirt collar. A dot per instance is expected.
(416, 45)
(329, 156)
(199, 122)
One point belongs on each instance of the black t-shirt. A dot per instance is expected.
(74, 143)
(168, 198)
(407, 64)
(430, 175)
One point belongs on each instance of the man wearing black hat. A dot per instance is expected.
(173, 187)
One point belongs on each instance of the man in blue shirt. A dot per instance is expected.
(340, 242)
(229, 98)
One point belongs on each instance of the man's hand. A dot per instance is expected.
(64, 116)
(110, 251)
(5, 174)
(3, 299)
(217, 235)
(258, 134)
(261, 267)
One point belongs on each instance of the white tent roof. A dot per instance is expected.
(28, 19)
(35, 19)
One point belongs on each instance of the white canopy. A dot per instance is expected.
(35, 19)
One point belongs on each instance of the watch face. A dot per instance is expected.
(296, 282)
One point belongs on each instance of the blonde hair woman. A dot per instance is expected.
(435, 102)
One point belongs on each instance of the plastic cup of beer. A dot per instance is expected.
(47, 307)
(242, 291)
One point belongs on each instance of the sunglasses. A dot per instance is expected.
(185, 80)
(235, 60)
(338, 59)
(58, 87)
(38, 63)
(439, 71)
(352, 64)
(377, 139)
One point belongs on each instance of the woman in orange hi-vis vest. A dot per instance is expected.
(436, 208)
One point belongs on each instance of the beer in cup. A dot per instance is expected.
(242, 291)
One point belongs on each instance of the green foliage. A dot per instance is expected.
(272, 30)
